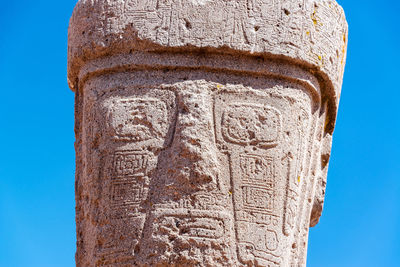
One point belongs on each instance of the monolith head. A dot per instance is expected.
(203, 128)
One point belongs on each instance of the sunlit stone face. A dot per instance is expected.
(203, 128)
(211, 169)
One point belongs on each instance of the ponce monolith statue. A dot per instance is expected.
(203, 128)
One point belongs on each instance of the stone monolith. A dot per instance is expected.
(203, 128)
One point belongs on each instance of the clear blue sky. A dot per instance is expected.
(360, 225)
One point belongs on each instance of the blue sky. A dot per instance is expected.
(360, 225)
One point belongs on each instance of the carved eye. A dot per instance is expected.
(253, 124)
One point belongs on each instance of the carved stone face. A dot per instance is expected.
(211, 169)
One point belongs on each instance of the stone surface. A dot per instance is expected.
(203, 128)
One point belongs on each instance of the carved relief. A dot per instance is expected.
(253, 124)
(144, 122)
(126, 193)
(294, 163)
(133, 6)
(142, 13)
(135, 126)
(262, 19)
(160, 182)
(258, 243)
(257, 184)
(198, 225)
(266, 240)
(202, 237)
(130, 163)
(266, 178)
(255, 194)
(268, 10)
(259, 199)
(139, 119)
(129, 185)
(253, 131)
(256, 169)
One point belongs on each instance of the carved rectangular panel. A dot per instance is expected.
(244, 123)
(130, 164)
(258, 198)
(129, 183)
(256, 188)
(259, 132)
(257, 170)
(139, 119)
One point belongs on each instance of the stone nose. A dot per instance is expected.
(193, 161)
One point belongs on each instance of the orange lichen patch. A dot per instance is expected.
(316, 58)
(343, 48)
(314, 18)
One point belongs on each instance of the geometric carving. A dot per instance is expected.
(251, 124)
(130, 164)
(129, 184)
(200, 227)
(258, 241)
(132, 6)
(271, 240)
(258, 183)
(192, 224)
(257, 170)
(139, 119)
(126, 193)
(258, 198)
(256, 208)
(290, 215)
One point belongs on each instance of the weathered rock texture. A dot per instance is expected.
(203, 128)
